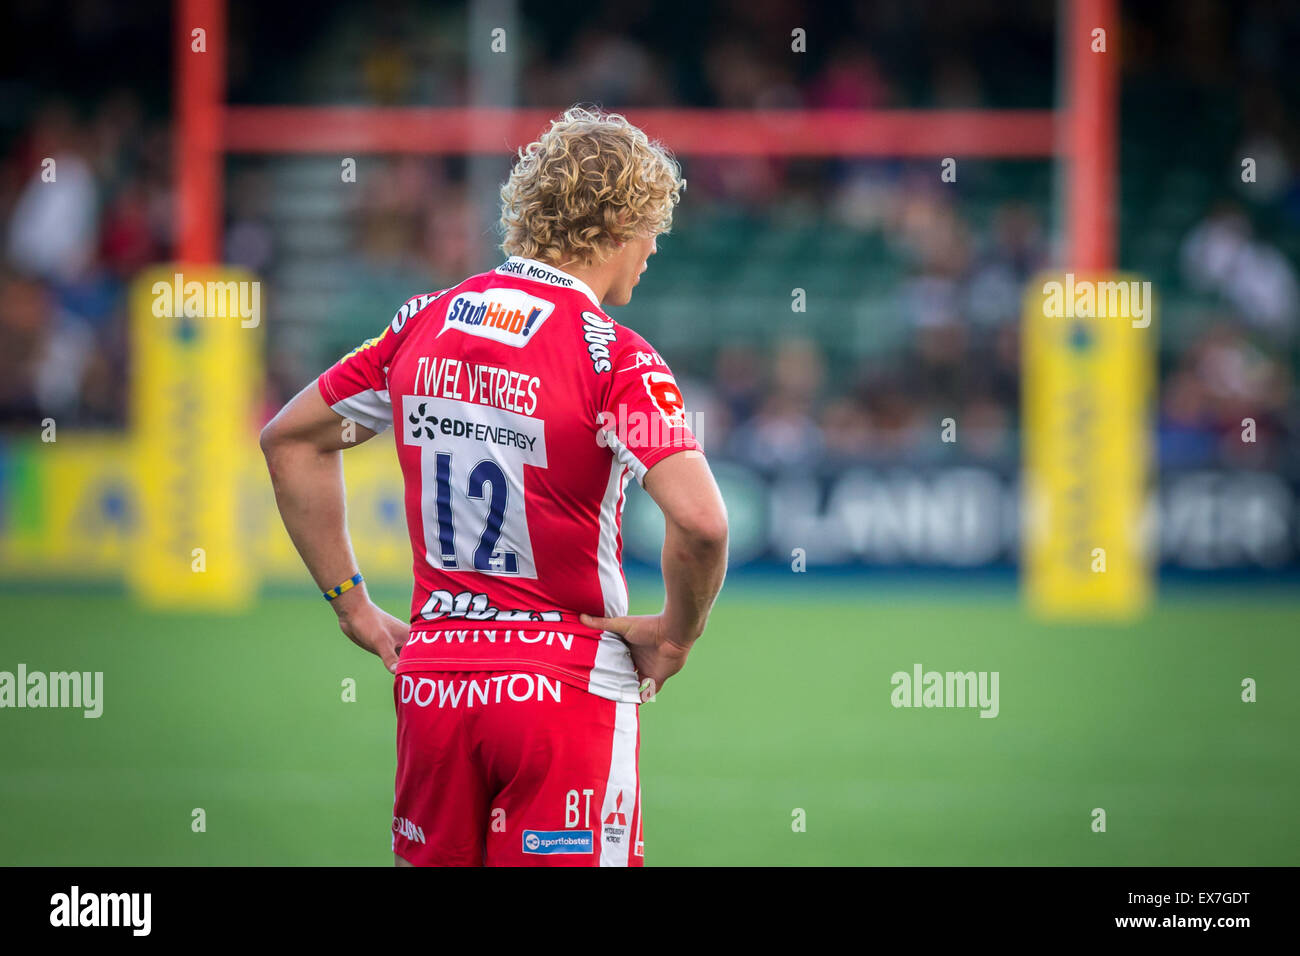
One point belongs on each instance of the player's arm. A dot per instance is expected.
(303, 447)
(638, 387)
(694, 565)
(694, 562)
(694, 557)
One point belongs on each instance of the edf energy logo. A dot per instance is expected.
(547, 842)
(508, 316)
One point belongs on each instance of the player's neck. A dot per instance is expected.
(598, 276)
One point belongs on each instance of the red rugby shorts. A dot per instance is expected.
(513, 768)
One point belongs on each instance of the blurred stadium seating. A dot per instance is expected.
(822, 426)
(913, 286)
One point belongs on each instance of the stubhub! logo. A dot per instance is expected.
(558, 841)
(508, 316)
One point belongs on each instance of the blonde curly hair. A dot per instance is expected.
(590, 182)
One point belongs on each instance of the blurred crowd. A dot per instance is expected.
(85, 203)
(1227, 388)
(1229, 345)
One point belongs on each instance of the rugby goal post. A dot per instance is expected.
(1080, 135)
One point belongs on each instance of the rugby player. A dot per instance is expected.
(520, 410)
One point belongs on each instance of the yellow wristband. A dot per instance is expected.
(346, 586)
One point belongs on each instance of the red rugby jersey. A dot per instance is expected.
(520, 411)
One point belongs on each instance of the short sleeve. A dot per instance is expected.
(356, 386)
(643, 417)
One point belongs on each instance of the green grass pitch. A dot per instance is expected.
(785, 707)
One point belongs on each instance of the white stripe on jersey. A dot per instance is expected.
(624, 455)
(612, 674)
(612, 586)
(370, 408)
(622, 790)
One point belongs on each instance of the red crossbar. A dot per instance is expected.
(207, 129)
(690, 132)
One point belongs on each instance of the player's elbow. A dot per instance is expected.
(705, 530)
(269, 439)
(712, 532)
(274, 440)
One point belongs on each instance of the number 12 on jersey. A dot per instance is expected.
(472, 468)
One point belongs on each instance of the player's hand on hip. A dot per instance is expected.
(654, 653)
(373, 629)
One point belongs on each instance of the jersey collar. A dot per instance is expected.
(539, 271)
